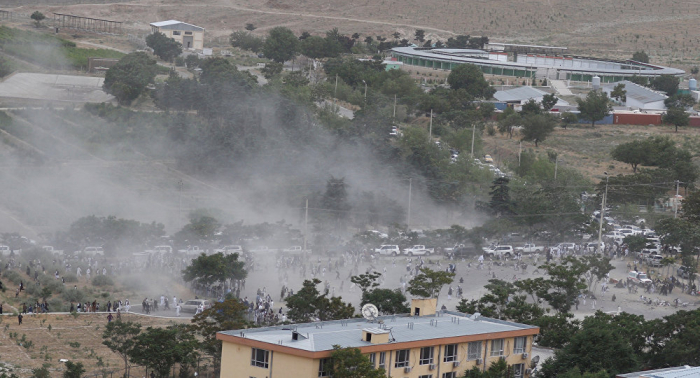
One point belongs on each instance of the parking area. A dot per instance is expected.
(54, 88)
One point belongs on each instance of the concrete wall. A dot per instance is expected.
(198, 38)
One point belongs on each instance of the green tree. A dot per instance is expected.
(666, 83)
(635, 242)
(594, 107)
(501, 203)
(420, 35)
(200, 228)
(119, 337)
(281, 45)
(335, 201)
(42, 372)
(537, 127)
(128, 78)
(549, 101)
(619, 93)
(351, 363)
(246, 41)
(73, 370)
(272, 69)
(164, 47)
(530, 107)
(504, 301)
(470, 78)
(210, 269)
(568, 118)
(564, 284)
(428, 283)
(633, 153)
(308, 304)
(37, 17)
(6, 66)
(387, 301)
(160, 349)
(676, 117)
(640, 56)
(672, 340)
(222, 316)
(314, 47)
(683, 101)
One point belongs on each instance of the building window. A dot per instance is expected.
(426, 376)
(518, 370)
(324, 367)
(451, 374)
(373, 359)
(176, 32)
(450, 353)
(474, 351)
(382, 360)
(496, 347)
(426, 355)
(401, 358)
(260, 358)
(519, 345)
(188, 33)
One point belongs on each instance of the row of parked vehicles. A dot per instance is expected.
(395, 250)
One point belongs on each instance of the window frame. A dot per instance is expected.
(430, 360)
(323, 365)
(453, 356)
(177, 32)
(265, 363)
(518, 368)
(404, 362)
(522, 350)
(471, 354)
(449, 374)
(372, 359)
(382, 360)
(500, 350)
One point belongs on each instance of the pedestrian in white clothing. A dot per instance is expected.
(177, 310)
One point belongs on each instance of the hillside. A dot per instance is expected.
(613, 29)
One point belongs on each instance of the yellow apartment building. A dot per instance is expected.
(190, 36)
(432, 345)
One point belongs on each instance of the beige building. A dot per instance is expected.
(433, 345)
(190, 36)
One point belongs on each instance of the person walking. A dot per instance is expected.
(19, 318)
(177, 309)
(109, 318)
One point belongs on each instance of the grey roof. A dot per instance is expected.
(519, 94)
(176, 25)
(348, 333)
(638, 92)
(645, 69)
(674, 372)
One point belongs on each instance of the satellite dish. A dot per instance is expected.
(370, 311)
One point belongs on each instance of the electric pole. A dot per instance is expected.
(410, 186)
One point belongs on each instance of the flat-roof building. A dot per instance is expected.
(557, 67)
(190, 36)
(440, 345)
(639, 97)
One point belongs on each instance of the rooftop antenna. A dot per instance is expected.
(370, 312)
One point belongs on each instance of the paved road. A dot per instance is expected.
(343, 112)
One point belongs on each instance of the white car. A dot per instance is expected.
(389, 250)
(499, 251)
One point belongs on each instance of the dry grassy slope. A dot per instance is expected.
(594, 26)
(588, 150)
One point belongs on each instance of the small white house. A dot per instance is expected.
(521, 95)
(639, 97)
(190, 36)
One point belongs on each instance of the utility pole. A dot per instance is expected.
(394, 106)
(179, 189)
(602, 213)
(306, 222)
(556, 165)
(675, 201)
(430, 130)
(473, 133)
(520, 152)
(410, 186)
(365, 90)
(335, 93)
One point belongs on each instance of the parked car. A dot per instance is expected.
(389, 250)
(50, 249)
(529, 248)
(638, 278)
(193, 304)
(499, 251)
(92, 251)
(488, 159)
(683, 271)
(566, 246)
(231, 249)
(654, 260)
(418, 250)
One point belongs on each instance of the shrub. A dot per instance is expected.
(13, 276)
(70, 277)
(102, 281)
(73, 295)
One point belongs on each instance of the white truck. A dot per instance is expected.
(499, 251)
(418, 250)
(230, 249)
(388, 250)
(529, 248)
(192, 250)
(295, 249)
(50, 249)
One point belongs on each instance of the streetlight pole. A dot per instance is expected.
(473, 132)
(675, 201)
(365, 90)
(602, 213)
